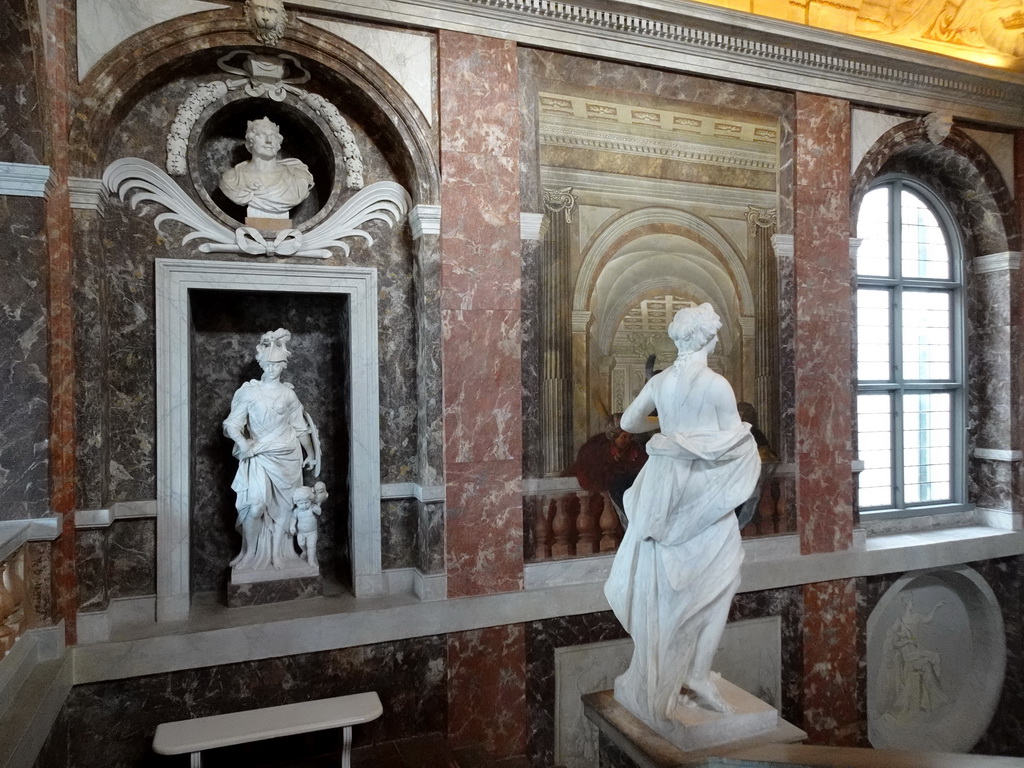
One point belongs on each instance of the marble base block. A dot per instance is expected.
(697, 728)
(646, 748)
(297, 582)
(273, 225)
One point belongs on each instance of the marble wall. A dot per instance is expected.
(21, 118)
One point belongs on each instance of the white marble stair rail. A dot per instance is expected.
(201, 733)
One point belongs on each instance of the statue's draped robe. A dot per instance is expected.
(272, 194)
(273, 420)
(678, 565)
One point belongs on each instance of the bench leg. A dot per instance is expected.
(195, 760)
(346, 747)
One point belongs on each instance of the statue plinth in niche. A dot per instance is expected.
(268, 185)
(678, 567)
(274, 441)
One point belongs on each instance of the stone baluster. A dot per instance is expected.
(586, 526)
(609, 525)
(562, 529)
(542, 528)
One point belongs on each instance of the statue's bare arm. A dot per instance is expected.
(725, 404)
(636, 417)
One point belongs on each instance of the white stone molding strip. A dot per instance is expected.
(425, 220)
(430, 493)
(25, 180)
(1006, 261)
(531, 226)
(998, 454)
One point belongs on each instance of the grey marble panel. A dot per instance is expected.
(24, 373)
(131, 558)
(91, 569)
(264, 592)
(111, 724)
(430, 539)
(398, 528)
(21, 119)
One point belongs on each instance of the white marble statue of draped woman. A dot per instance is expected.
(271, 431)
(678, 567)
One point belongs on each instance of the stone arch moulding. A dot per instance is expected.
(174, 279)
(957, 151)
(684, 224)
(150, 57)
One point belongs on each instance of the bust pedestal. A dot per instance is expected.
(268, 224)
(259, 587)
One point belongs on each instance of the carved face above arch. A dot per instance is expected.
(266, 20)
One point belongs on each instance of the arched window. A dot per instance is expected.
(910, 361)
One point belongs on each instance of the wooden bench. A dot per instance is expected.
(193, 736)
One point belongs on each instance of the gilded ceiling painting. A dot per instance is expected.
(988, 32)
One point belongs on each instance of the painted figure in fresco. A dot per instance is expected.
(913, 673)
(271, 431)
(269, 186)
(266, 19)
(678, 567)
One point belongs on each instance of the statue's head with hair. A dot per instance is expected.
(266, 19)
(693, 327)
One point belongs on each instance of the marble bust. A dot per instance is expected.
(678, 567)
(267, 185)
(266, 19)
(272, 433)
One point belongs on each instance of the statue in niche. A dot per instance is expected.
(913, 674)
(678, 567)
(267, 20)
(267, 185)
(304, 519)
(271, 431)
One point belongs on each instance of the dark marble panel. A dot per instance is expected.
(1005, 735)
(399, 523)
(227, 326)
(610, 756)
(430, 537)
(56, 749)
(279, 591)
(91, 569)
(533, 460)
(990, 484)
(542, 638)
(787, 604)
(111, 724)
(131, 558)
(90, 331)
(24, 383)
(21, 118)
(430, 411)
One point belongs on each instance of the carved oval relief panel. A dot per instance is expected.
(936, 658)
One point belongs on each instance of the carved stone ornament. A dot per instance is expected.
(267, 20)
(261, 77)
(938, 125)
(383, 201)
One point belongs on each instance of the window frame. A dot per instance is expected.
(896, 386)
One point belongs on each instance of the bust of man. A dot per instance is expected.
(266, 20)
(267, 185)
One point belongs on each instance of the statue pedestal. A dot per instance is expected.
(296, 582)
(268, 224)
(637, 744)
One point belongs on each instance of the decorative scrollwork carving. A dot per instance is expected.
(561, 201)
(762, 218)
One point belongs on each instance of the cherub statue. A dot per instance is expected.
(307, 503)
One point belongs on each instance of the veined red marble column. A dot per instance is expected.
(824, 410)
(480, 313)
(824, 340)
(56, 71)
(486, 689)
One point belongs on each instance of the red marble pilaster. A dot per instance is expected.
(57, 71)
(823, 353)
(487, 689)
(480, 313)
(830, 663)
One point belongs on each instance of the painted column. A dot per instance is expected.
(481, 353)
(824, 408)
